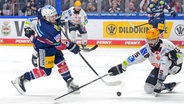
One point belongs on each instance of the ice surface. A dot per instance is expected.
(14, 61)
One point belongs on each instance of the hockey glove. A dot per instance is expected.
(173, 13)
(73, 47)
(116, 70)
(172, 55)
(28, 32)
(60, 22)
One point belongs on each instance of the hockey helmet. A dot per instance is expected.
(152, 33)
(48, 11)
(77, 3)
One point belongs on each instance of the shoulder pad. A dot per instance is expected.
(162, 2)
(151, 5)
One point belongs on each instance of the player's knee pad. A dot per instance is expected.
(37, 73)
(148, 88)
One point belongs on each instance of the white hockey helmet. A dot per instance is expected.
(48, 11)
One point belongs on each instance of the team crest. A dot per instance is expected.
(6, 28)
(57, 37)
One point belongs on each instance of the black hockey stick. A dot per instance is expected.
(81, 86)
(141, 25)
(90, 49)
(115, 83)
(107, 83)
(84, 49)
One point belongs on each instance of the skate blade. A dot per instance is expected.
(17, 88)
(155, 94)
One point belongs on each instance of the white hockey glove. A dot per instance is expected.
(116, 70)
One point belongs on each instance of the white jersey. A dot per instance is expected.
(157, 58)
(75, 19)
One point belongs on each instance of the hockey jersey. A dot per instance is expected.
(156, 58)
(156, 10)
(75, 18)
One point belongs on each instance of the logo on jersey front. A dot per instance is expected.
(179, 30)
(57, 38)
(111, 29)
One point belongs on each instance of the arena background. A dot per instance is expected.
(106, 27)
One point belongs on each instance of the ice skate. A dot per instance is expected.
(18, 83)
(156, 92)
(72, 86)
(170, 86)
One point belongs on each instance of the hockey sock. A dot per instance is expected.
(63, 70)
(34, 74)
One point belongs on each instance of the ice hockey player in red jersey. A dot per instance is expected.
(46, 37)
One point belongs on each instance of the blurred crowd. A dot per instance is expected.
(30, 7)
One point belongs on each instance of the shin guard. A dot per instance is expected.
(63, 70)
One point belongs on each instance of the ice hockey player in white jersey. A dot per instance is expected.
(165, 57)
(77, 20)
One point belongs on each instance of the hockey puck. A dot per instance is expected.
(118, 93)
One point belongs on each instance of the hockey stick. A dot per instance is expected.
(107, 83)
(115, 83)
(65, 32)
(141, 25)
(144, 23)
(90, 49)
(81, 86)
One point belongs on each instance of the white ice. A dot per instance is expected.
(14, 61)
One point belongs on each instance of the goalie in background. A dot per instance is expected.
(77, 20)
(46, 37)
(165, 57)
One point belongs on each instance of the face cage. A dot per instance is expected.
(152, 42)
(48, 18)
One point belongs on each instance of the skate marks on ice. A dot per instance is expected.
(42, 91)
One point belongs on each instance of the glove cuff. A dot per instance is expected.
(120, 66)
